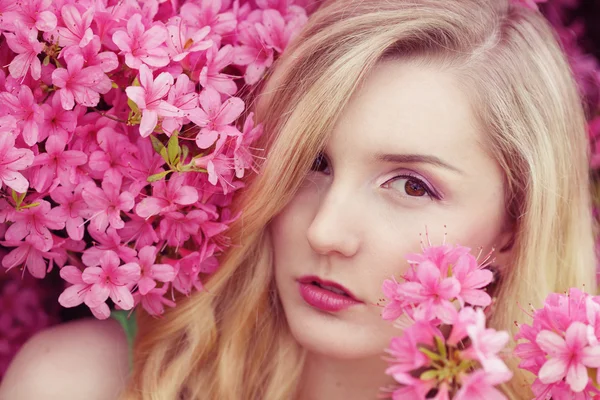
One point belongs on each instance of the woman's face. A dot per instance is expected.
(405, 155)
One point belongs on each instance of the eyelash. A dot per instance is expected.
(321, 159)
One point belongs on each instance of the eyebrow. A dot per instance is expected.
(414, 159)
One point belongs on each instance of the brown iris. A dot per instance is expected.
(414, 188)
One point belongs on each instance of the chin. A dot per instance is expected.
(334, 336)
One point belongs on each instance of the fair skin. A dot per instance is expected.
(352, 222)
(357, 216)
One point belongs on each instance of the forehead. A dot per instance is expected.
(405, 107)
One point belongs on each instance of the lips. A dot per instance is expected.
(326, 295)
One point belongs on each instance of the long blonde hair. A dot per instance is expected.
(231, 341)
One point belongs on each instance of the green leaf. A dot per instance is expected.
(184, 152)
(159, 176)
(34, 204)
(114, 85)
(15, 197)
(429, 375)
(46, 60)
(432, 356)
(173, 148)
(441, 346)
(156, 144)
(133, 106)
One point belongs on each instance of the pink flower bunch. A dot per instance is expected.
(122, 139)
(562, 348)
(445, 351)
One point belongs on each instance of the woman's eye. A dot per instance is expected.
(320, 164)
(411, 186)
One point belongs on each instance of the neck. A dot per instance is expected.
(337, 379)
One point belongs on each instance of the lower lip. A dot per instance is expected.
(324, 299)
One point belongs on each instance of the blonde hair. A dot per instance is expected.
(232, 341)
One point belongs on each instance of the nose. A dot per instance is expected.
(334, 229)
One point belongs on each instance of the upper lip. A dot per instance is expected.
(323, 282)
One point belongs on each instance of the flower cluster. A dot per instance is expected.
(123, 138)
(445, 350)
(562, 346)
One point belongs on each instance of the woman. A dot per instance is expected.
(382, 119)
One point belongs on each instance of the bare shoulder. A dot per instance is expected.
(86, 359)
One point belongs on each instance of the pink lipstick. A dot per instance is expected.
(326, 295)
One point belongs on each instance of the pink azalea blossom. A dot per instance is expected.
(242, 157)
(183, 96)
(167, 196)
(569, 356)
(479, 385)
(432, 291)
(107, 203)
(33, 14)
(76, 30)
(141, 46)
(256, 55)
(211, 75)
(57, 120)
(208, 13)
(149, 99)
(71, 209)
(106, 60)
(104, 241)
(111, 279)
(152, 272)
(139, 230)
(24, 42)
(12, 159)
(80, 84)
(56, 165)
(114, 149)
(34, 223)
(183, 39)
(81, 292)
(26, 254)
(215, 118)
(154, 301)
(28, 113)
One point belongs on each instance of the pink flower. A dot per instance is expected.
(83, 85)
(24, 42)
(28, 113)
(107, 203)
(219, 169)
(104, 241)
(167, 196)
(486, 343)
(569, 356)
(183, 39)
(208, 13)
(34, 223)
(76, 30)
(154, 301)
(242, 158)
(57, 120)
(71, 208)
(183, 96)
(12, 159)
(25, 253)
(432, 291)
(139, 230)
(479, 385)
(211, 76)
(149, 99)
(215, 118)
(34, 14)
(56, 165)
(256, 55)
(81, 292)
(152, 272)
(110, 279)
(141, 46)
(114, 150)
(93, 57)
(176, 227)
